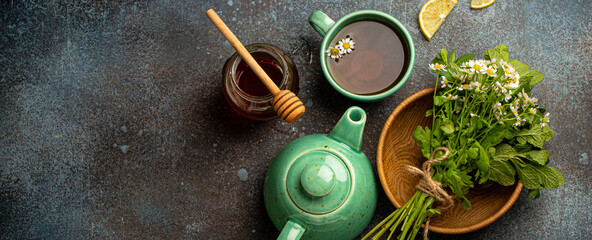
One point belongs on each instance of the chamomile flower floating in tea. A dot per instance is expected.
(346, 45)
(334, 52)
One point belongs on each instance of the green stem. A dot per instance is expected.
(414, 213)
(434, 112)
(380, 225)
(422, 218)
(410, 216)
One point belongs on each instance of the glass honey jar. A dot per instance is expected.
(245, 92)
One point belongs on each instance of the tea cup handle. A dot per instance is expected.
(320, 22)
(291, 231)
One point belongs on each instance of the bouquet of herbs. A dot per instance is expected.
(491, 130)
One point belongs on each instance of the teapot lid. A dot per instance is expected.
(318, 182)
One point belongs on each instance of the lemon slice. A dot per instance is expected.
(432, 15)
(478, 4)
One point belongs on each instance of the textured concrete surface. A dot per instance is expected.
(113, 124)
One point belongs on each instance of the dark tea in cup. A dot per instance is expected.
(375, 62)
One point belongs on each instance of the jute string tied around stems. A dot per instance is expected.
(431, 187)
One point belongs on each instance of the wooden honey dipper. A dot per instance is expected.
(285, 103)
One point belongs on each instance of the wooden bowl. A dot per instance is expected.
(397, 148)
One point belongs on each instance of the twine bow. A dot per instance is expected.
(431, 187)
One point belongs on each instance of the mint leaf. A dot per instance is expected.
(439, 100)
(519, 67)
(465, 58)
(458, 181)
(538, 156)
(502, 172)
(444, 55)
(448, 128)
(505, 151)
(466, 204)
(523, 148)
(536, 136)
(502, 49)
(491, 54)
(424, 137)
(438, 60)
(473, 152)
(451, 58)
(534, 193)
(500, 52)
(496, 136)
(539, 176)
(536, 77)
(482, 163)
(454, 67)
(528, 177)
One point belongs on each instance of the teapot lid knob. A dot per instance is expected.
(319, 182)
(318, 179)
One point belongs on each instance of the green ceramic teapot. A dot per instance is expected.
(322, 186)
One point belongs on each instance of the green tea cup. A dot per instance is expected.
(328, 29)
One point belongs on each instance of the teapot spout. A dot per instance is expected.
(291, 231)
(350, 127)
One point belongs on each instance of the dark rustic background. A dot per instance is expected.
(113, 124)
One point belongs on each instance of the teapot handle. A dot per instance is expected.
(291, 231)
(350, 127)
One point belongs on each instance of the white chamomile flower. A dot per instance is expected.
(517, 123)
(508, 96)
(464, 87)
(475, 85)
(334, 52)
(498, 106)
(437, 66)
(532, 110)
(476, 65)
(443, 80)
(514, 110)
(498, 86)
(545, 120)
(490, 71)
(473, 115)
(498, 115)
(450, 97)
(513, 81)
(516, 104)
(468, 70)
(508, 70)
(346, 45)
(527, 100)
